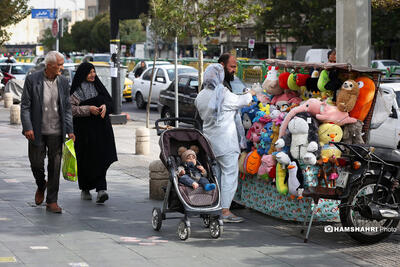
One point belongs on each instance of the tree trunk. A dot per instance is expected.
(151, 85)
(200, 53)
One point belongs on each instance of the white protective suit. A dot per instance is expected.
(218, 108)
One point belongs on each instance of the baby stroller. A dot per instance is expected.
(180, 198)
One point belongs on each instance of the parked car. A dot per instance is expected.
(104, 57)
(127, 92)
(389, 67)
(148, 64)
(187, 92)
(68, 71)
(163, 77)
(317, 55)
(4, 59)
(14, 70)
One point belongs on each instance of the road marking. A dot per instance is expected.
(39, 247)
(4, 219)
(153, 237)
(147, 244)
(130, 239)
(10, 181)
(8, 259)
(78, 264)
(159, 241)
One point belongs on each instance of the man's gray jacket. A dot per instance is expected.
(32, 102)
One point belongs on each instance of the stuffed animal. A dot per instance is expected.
(263, 98)
(334, 83)
(312, 82)
(301, 79)
(322, 176)
(242, 169)
(267, 163)
(283, 79)
(323, 80)
(264, 108)
(253, 134)
(302, 137)
(311, 106)
(329, 113)
(347, 96)
(295, 181)
(329, 132)
(252, 162)
(246, 121)
(365, 98)
(271, 83)
(285, 100)
(274, 137)
(265, 141)
(291, 82)
(352, 133)
(281, 185)
(259, 115)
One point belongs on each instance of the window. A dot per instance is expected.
(390, 63)
(147, 75)
(171, 72)
(21, 69)
(160, 76)
(194, 85)
(91, 12)
(183, 81)
(5, 68)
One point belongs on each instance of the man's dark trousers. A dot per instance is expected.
(52, 144)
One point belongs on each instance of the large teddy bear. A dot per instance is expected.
(303, 140)
(347, 96)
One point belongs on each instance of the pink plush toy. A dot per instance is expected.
(330, 113)
(267, 163)
(263, 98)
(271, 83)
(285, 100)
(311, 106)
(254, 132)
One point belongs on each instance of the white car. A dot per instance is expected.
(148, 64)
(384, 64)
(16, 70)
(163, 77)
(388, 133)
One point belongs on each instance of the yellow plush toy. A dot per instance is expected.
(329, 132)
(264, 108)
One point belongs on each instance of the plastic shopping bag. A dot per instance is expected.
(69, 166)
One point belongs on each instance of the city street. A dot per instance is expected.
(139, 114)
(119, 233)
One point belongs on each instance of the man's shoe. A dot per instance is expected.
(85, 195)
(232, 219)
(53, 207)
(39, 195)
(102, 196)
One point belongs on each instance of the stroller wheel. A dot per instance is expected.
(183, 230)
(215, 228)
(206, 221)
(156, 219)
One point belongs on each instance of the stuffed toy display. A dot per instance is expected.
(242, 169)
(334, 83)
(301, 79)
(263, 98)
(281, 185)
(365, 98)
(252, 162)
(283, 79)
(352, 133)
(274, 137)
(271, 83)
(347, 96)
(323, 80)
(329, 113)
(302, 137)
(267, 164)
(295, 181)
(329, 132)
(253, 134)
(291, 82)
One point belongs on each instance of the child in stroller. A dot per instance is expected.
(190, 172)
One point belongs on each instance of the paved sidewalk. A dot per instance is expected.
(119, 233)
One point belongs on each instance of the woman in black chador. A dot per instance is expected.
(94, 144)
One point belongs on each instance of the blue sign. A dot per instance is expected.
(44, 13)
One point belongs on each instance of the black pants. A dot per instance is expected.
(52, 144)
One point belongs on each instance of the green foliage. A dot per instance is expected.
(100, 34)
(131, 32)
(386, 4)
(11, 12)
(385, 27)
(308, 21)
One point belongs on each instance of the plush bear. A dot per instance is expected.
(302, 137)
(271, 83)
(328, 132)
(347, 96)
(352, 133)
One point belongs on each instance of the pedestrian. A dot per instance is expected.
(46, 119)
(332, 56)
(68, 59)
(228, 61)
(95, 144)
(219, 109)
(140, 70)
(9, 59)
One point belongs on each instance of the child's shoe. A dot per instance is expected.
(209, 187)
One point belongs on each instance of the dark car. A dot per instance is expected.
(187, 92)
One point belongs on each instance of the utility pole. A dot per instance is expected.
(353, 32)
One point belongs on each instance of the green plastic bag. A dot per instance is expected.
(69, 166)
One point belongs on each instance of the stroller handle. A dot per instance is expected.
(171, 121)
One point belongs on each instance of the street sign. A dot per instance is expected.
(54, 28)
(44, 13)
(123, 48)
(251, 43)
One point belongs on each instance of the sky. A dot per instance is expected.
(64, 4)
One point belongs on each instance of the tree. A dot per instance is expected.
(308, 21)
(11, 12)
(131, 32)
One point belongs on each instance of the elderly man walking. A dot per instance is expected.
(46, 118)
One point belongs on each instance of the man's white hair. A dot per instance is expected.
(52, 57)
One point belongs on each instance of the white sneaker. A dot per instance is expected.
(102, 196)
